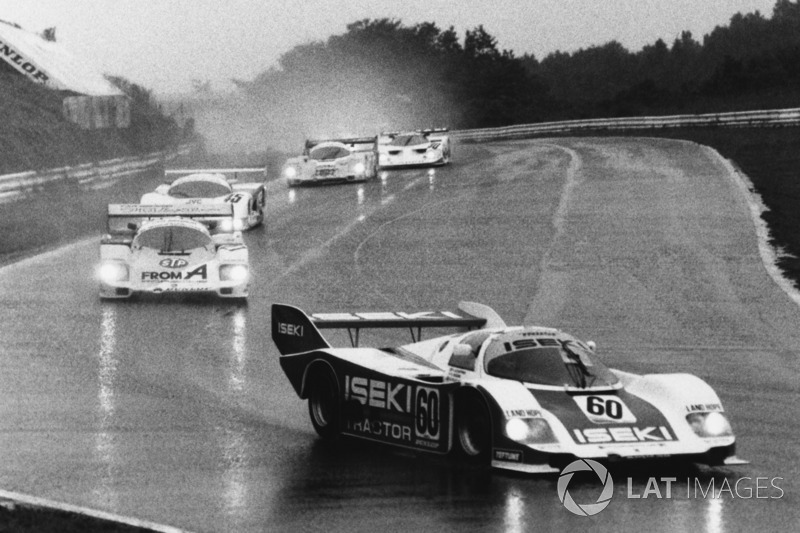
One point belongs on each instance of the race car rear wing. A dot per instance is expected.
(426, 131)
(126, 218)
(293, 331)
(359, 144)
(232, 174)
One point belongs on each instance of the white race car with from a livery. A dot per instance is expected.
(421, 148)
(524, 398)
(333, 161)
(212, 186)
(158, 249)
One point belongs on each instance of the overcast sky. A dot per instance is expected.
(165, 44)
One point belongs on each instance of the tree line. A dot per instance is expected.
(383, 74)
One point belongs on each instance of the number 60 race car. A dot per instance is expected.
(172, 248)
(524, 398)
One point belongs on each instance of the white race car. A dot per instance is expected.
(212, 186)
(524, 398)
(414, 148)
(172, 248)
(333, 161)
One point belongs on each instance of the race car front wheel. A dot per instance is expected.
(323, 403)
(473, 428)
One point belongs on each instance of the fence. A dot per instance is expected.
(116, 168)
(767, 118)
(86, 175)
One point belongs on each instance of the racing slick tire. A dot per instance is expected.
(323, 402)
(473, 428)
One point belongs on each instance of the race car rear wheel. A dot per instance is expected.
(473, 428)
(323, 403)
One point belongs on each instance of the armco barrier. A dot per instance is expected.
(766, 118)
(116, 168)
(87, 173)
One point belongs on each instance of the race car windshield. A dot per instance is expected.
(408, 140)
(328, 153)
(172, 239)
(567, 364)
(199, 189)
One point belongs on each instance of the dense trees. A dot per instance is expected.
(382, 74)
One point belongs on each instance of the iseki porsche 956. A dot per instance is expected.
(524, 398)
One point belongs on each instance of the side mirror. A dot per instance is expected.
(591, 345)
(132, 226)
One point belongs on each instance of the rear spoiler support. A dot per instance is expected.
(293, 331)
(415, 322)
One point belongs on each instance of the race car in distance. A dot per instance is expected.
(333, 161)
(173, 248)
(212, 186)
(524, 398)
(429, 147)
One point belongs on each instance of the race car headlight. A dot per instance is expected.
(359, 168)
(290, 172)
(238, 224)
(712, 424)
(233, 272)
(529, 430)
(112, 271)
(227, 225)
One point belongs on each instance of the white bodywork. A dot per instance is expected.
(213, 186)
(667, 404)
(332, 161)
(416, 148)
(163, 249)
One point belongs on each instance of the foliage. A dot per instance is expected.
(150, 129)
(753, 62)
(381, 74)
(35, 135)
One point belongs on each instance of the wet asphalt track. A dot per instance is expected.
(177, 412)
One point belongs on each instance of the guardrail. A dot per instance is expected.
(87, 174)
(765, 118)
(116, 168)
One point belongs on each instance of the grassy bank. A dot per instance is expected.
(34, 135)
